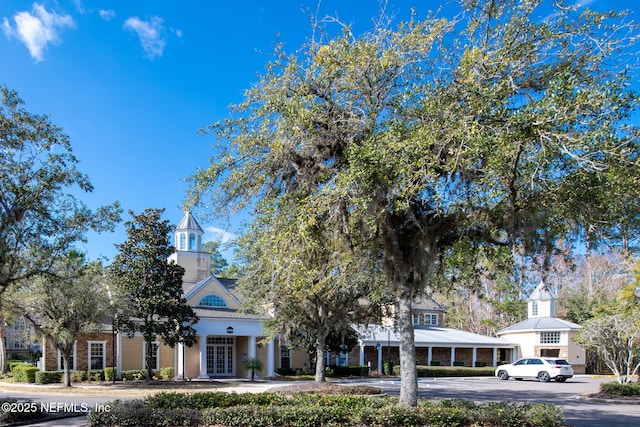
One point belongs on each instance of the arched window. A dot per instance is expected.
(183, 241)
(212, 300)
(192, 241)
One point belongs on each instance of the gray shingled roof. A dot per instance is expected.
(189, 223)
(432, 336)
(541, 324)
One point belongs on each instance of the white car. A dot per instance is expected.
(542, 368)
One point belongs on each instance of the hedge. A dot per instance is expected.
(617, 389)
(49, 377)
(17, 416)
(305, 410)
(24, 373)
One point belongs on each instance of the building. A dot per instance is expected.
(543, 334)
(226, 336)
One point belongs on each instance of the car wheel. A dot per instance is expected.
(561, 379)
(544, 377)
(503, 375)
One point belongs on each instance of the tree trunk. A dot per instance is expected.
(408, 370)
(147, 357)
(320, 360)
(66, 355)
(3, 347)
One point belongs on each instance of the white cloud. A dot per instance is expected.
(149, 33)
(107, 15)
(37, 29)
(219, 234)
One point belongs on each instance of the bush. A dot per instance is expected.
(15, 363)
(311, 410)
(18, 416)
(388, 367)
(95, 375)
(458, 363)
(349, 371)
(48, 377)
(617, 389)
(134, 374)
(25, 373)
(109, 374)
(136, 413)
(166, 373)
(458, 371)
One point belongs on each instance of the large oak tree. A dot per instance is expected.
(41, 217)
(504, 126)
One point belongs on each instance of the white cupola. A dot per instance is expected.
(188, 234)
(542, 302)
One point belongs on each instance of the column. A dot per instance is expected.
(429, 355)
(495, 357)
(361, 362)
(271, 366)
(379, 347)
(453, 355)
(474, 355)
(251, 351)
(202, 346)
(118, 355)
(181, 361)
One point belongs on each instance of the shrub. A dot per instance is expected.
(134, 374)
(78, 376)
(481, 364)
(435, 363)
(388, 367)
(166, 373)
(19, 417)
(95, 375)
(109, 374)
(136, 413)
(350, 371)
(311, 410)
(458, 371)
(458, 363)
(617, 389)
(48, 377)
(14, 363)
(25, 373)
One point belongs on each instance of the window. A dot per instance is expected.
(212, 300)
(431, 319)
(534, 308)
(192, 241)
(285, 357)
(155, 360)
(96, 355)
(183, 242)
(551, 337)
(72, 360)
(19, 343)
(416, 319)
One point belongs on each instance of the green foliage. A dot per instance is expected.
(167, 372)
(617, 389)
(77, 283)
(274, 409)
(349, 371)
(134, 374)
(48, 377)
(150, 285)
(109, 374)
(24, 373)
(218, 263)
(20, 417)
(447, 371)
(252, 365)
(405, 152)
(41, 217)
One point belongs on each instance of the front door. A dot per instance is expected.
(220, 356)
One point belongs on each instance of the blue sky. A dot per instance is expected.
(132, 82)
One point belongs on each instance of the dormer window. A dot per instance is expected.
(212, 300)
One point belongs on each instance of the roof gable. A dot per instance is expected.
(213, 292)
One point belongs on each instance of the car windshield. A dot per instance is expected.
(558, 361)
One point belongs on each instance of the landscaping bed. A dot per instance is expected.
(303, 406)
